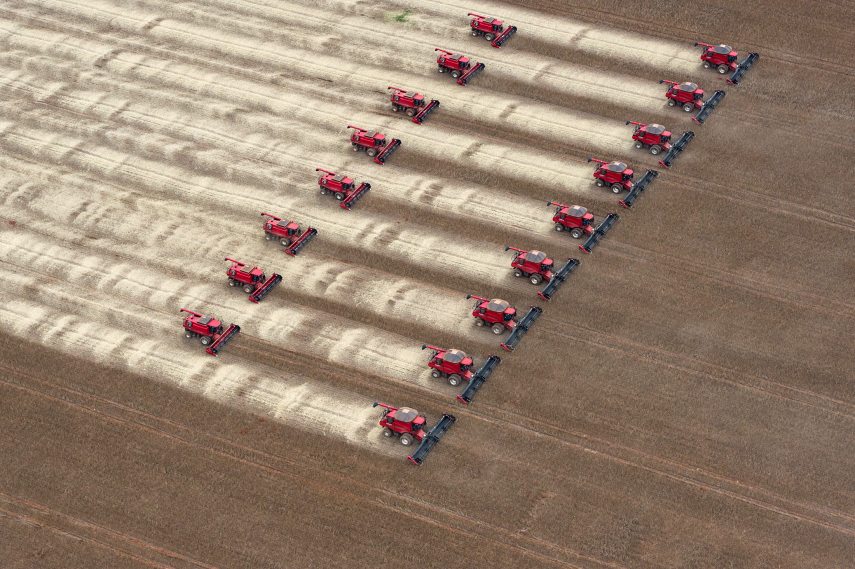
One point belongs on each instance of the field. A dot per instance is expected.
(686, 400)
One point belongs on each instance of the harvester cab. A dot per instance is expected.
(413, 104)
(341, 187)
(496, 313)
(373, 144)
(686, 95)
(453, 365)
(287, 233)
(458, 65)
(409, 426)
(533, 265)
(209, 330)
(720, 57)
(491, 29)
(616, 175)
(575, 219)
(253, 281)
(654, 137)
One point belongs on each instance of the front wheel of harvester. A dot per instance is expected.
(455, 74)
(388, 433)
(688, 107)
(205, 340)
(489, 37)
(497, 328)
(479, 322)
(723, 69)
(576, 233)
(407, 439)
(285, 242)
(655, 149)
(535, 279)
(372, 152)
(339, 196)
(248, 288)
(617, 188)
(454, 380)
(411, 112)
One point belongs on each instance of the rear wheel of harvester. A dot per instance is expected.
(324, 191)
(455, 74)
(188, 334)
(388, 433)
(248, 288)
(559, 227)
(436, 373)
(205, 340)
(454, 380)
(497, 328)
(372, 152)
(440, 68)
(395, 108)
(671, 102)
(655, 149)
(489, 37)
(617, 188)
(723, 69)
(285, 242)
(407, 439)
(518, 273)
(339, 196)
(707, 65)
(576, 233)
(479, 322)
(355, 146)
(411, 112)
(232, 282)
(268, 236)
(599, 183)
(535, 279)
(688, 107)
(639, 145)
(475, 33)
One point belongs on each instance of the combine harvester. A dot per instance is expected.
(574, 219)
(253, 281)
(413, 104)
(537, 268)
(491, 29)
(656, 139)
(458, 65)
(690, 97)
(373, 144)
(287, 233)
(599, 232)
(500, 316)
(638, 187)
(409, 426)
(616, 175)
(342, 188)
(723, 58)
(209, 330)
(456, 367)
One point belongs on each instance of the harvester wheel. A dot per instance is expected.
(688, 107)
(599, 183)
(188, 334)
(248, 288)
(454, 380)
(706, 64)
(339, 196)
(489, 37)
(355, 146)
(535, 279)
(324, 191)
(388, 433)
(285, 242)
(411, 112)
(576, 233)
(455, 74)
(479, 322)
(395, 108)
(407, 439)
(268, 236)
(639, 145)
(475, 33)
(440, 68)
(723, 69)
(372, 152)
(655, 149)
(559, 227)
(617, 188)
(232, 282)
(671, 102)
(497, 328)
(205, 340)
(518, 273)
(436, 373)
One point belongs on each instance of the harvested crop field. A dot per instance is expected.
(686, 400)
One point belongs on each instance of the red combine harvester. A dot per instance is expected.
(373, 143)
(491, 29)
(209, 330)
(453, 365)
(287, 233)
(409, 426)
(500, 316)
(253, 281)
(413, 104)
(654, 137)
(616, 175)
(599, 232)
(690, 97)
(638, 187)
(574, 219)
(458, 65)
(723, 58)
(537, 267)
(342, 188)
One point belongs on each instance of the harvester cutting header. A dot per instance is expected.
(491, 29)
(458, 65)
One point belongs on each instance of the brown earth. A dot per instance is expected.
(686, 400)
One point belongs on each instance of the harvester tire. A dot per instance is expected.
(407, 439)
(188, 334)
(372, 152)
(268, 236)
(518, 273)
(599, 183)
(205, 340)
(489, 37)
(355, 146)
(535, 279)
(232, 282)
(339, 196)
(436, 373)
(655, 149)
(576, 233)
(639, 145)
(671, 102)
(388, 433)
(723, 69)
(395, 108)
(559, 227)
(617, 188)
(497, 328)
(688, 107)
(454, 380)
(475, 33)
(248, 288)
(411, 112)
(285, 242)
(324, 191)
(455, 74)
(440, 68)
(479, 322)
(707, 65)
